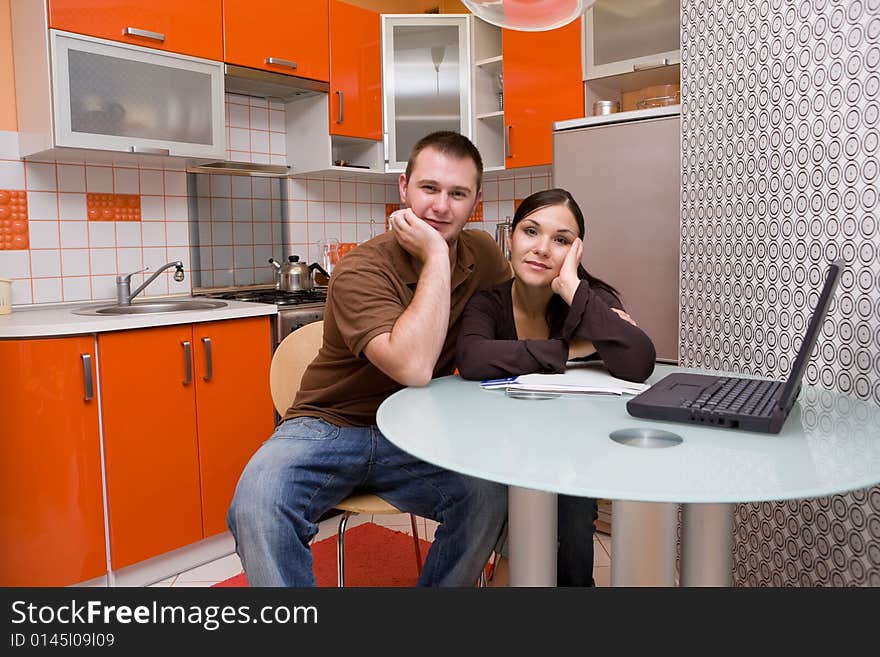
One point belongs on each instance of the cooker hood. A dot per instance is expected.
(262, 84)
(265, 84)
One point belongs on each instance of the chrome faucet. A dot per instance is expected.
(124, 295)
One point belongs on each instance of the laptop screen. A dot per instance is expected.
(792, 386)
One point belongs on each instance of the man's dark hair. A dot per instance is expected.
(449, 143)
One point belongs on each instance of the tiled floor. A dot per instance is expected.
(221, 569)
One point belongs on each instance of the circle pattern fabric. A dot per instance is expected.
(780, 161)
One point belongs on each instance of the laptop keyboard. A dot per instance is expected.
(737, 396)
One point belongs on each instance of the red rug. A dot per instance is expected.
(374, 556)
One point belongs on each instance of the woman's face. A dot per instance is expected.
(539, 244)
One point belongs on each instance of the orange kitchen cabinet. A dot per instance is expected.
(184, 407)
(234, 407)
(542, 84)
(278, 35)
(192, 27)
(355, 72)
(151, 448)
(51, 506)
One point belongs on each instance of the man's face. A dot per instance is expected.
(442, 190)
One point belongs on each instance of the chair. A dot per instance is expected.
(289, 363)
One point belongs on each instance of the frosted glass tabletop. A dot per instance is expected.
(829, 444)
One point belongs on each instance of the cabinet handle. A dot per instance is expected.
(146, 34)
(649, 65)
(209, 360)
(507, 140)
(87, 376)
(148, 150)
(276, 61)
(341, 107)
(385, 146)
(187, 362)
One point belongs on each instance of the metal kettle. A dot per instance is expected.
(295, 276)
(502, 237)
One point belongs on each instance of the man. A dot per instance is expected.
(391, 321)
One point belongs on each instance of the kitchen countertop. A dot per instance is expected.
(618, 117)
(59, 320)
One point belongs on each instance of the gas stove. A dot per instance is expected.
(295, 309)
(270, 295)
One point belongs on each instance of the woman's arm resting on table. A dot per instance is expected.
(482, 356)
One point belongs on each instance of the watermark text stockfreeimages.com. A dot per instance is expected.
(210, 617)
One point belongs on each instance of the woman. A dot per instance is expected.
(550, 312)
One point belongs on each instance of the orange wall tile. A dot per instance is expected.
(8, 116)
(13, 220)
(113, 207)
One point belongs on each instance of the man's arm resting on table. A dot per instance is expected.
(410, 351)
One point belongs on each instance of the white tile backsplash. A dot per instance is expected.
(44, 234)
(152, 208)
(128, 233)
(74, 234)
(76, 288)
(126, 181)
(102, 261)
(15, 264)
(46, 290)
(71, 178)
(175, 183)
(99, 179)
(176, 208)
(11, 174)
(152, 183)
(177, 233)
(153, 233)
(103, 233)
(41, 177)
(42, 205)
(46, 263)
(77, 259)
(72, 206)
(22, 292)
(74, 262)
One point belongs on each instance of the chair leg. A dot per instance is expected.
(340, 550)
(418, 547)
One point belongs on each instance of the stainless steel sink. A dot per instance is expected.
(147, 307)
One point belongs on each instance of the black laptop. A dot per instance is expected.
(735, 402)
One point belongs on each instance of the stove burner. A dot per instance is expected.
(278, 297)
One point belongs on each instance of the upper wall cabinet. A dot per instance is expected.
(625, 37)
(77, 92)
(355, 72)
(278, 35)
(426, 80)
(542, 84)
(193, 27)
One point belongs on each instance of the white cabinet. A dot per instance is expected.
(488, 91)
(625, 36)
(311, 147)
(78, 92)
(426, 80)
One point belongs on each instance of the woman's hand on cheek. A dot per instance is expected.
(566, 284)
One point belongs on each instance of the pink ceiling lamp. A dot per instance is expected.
(528, 15)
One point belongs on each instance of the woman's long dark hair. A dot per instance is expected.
(547, 198)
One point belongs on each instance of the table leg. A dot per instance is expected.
(643, 543)
(532, 537)
(707, 544)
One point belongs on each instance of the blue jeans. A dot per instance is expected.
(309, 465)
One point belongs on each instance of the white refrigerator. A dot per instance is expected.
(624, 170)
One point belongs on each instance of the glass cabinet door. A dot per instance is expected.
(426, 80)
(622, 36)
(113, 96)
